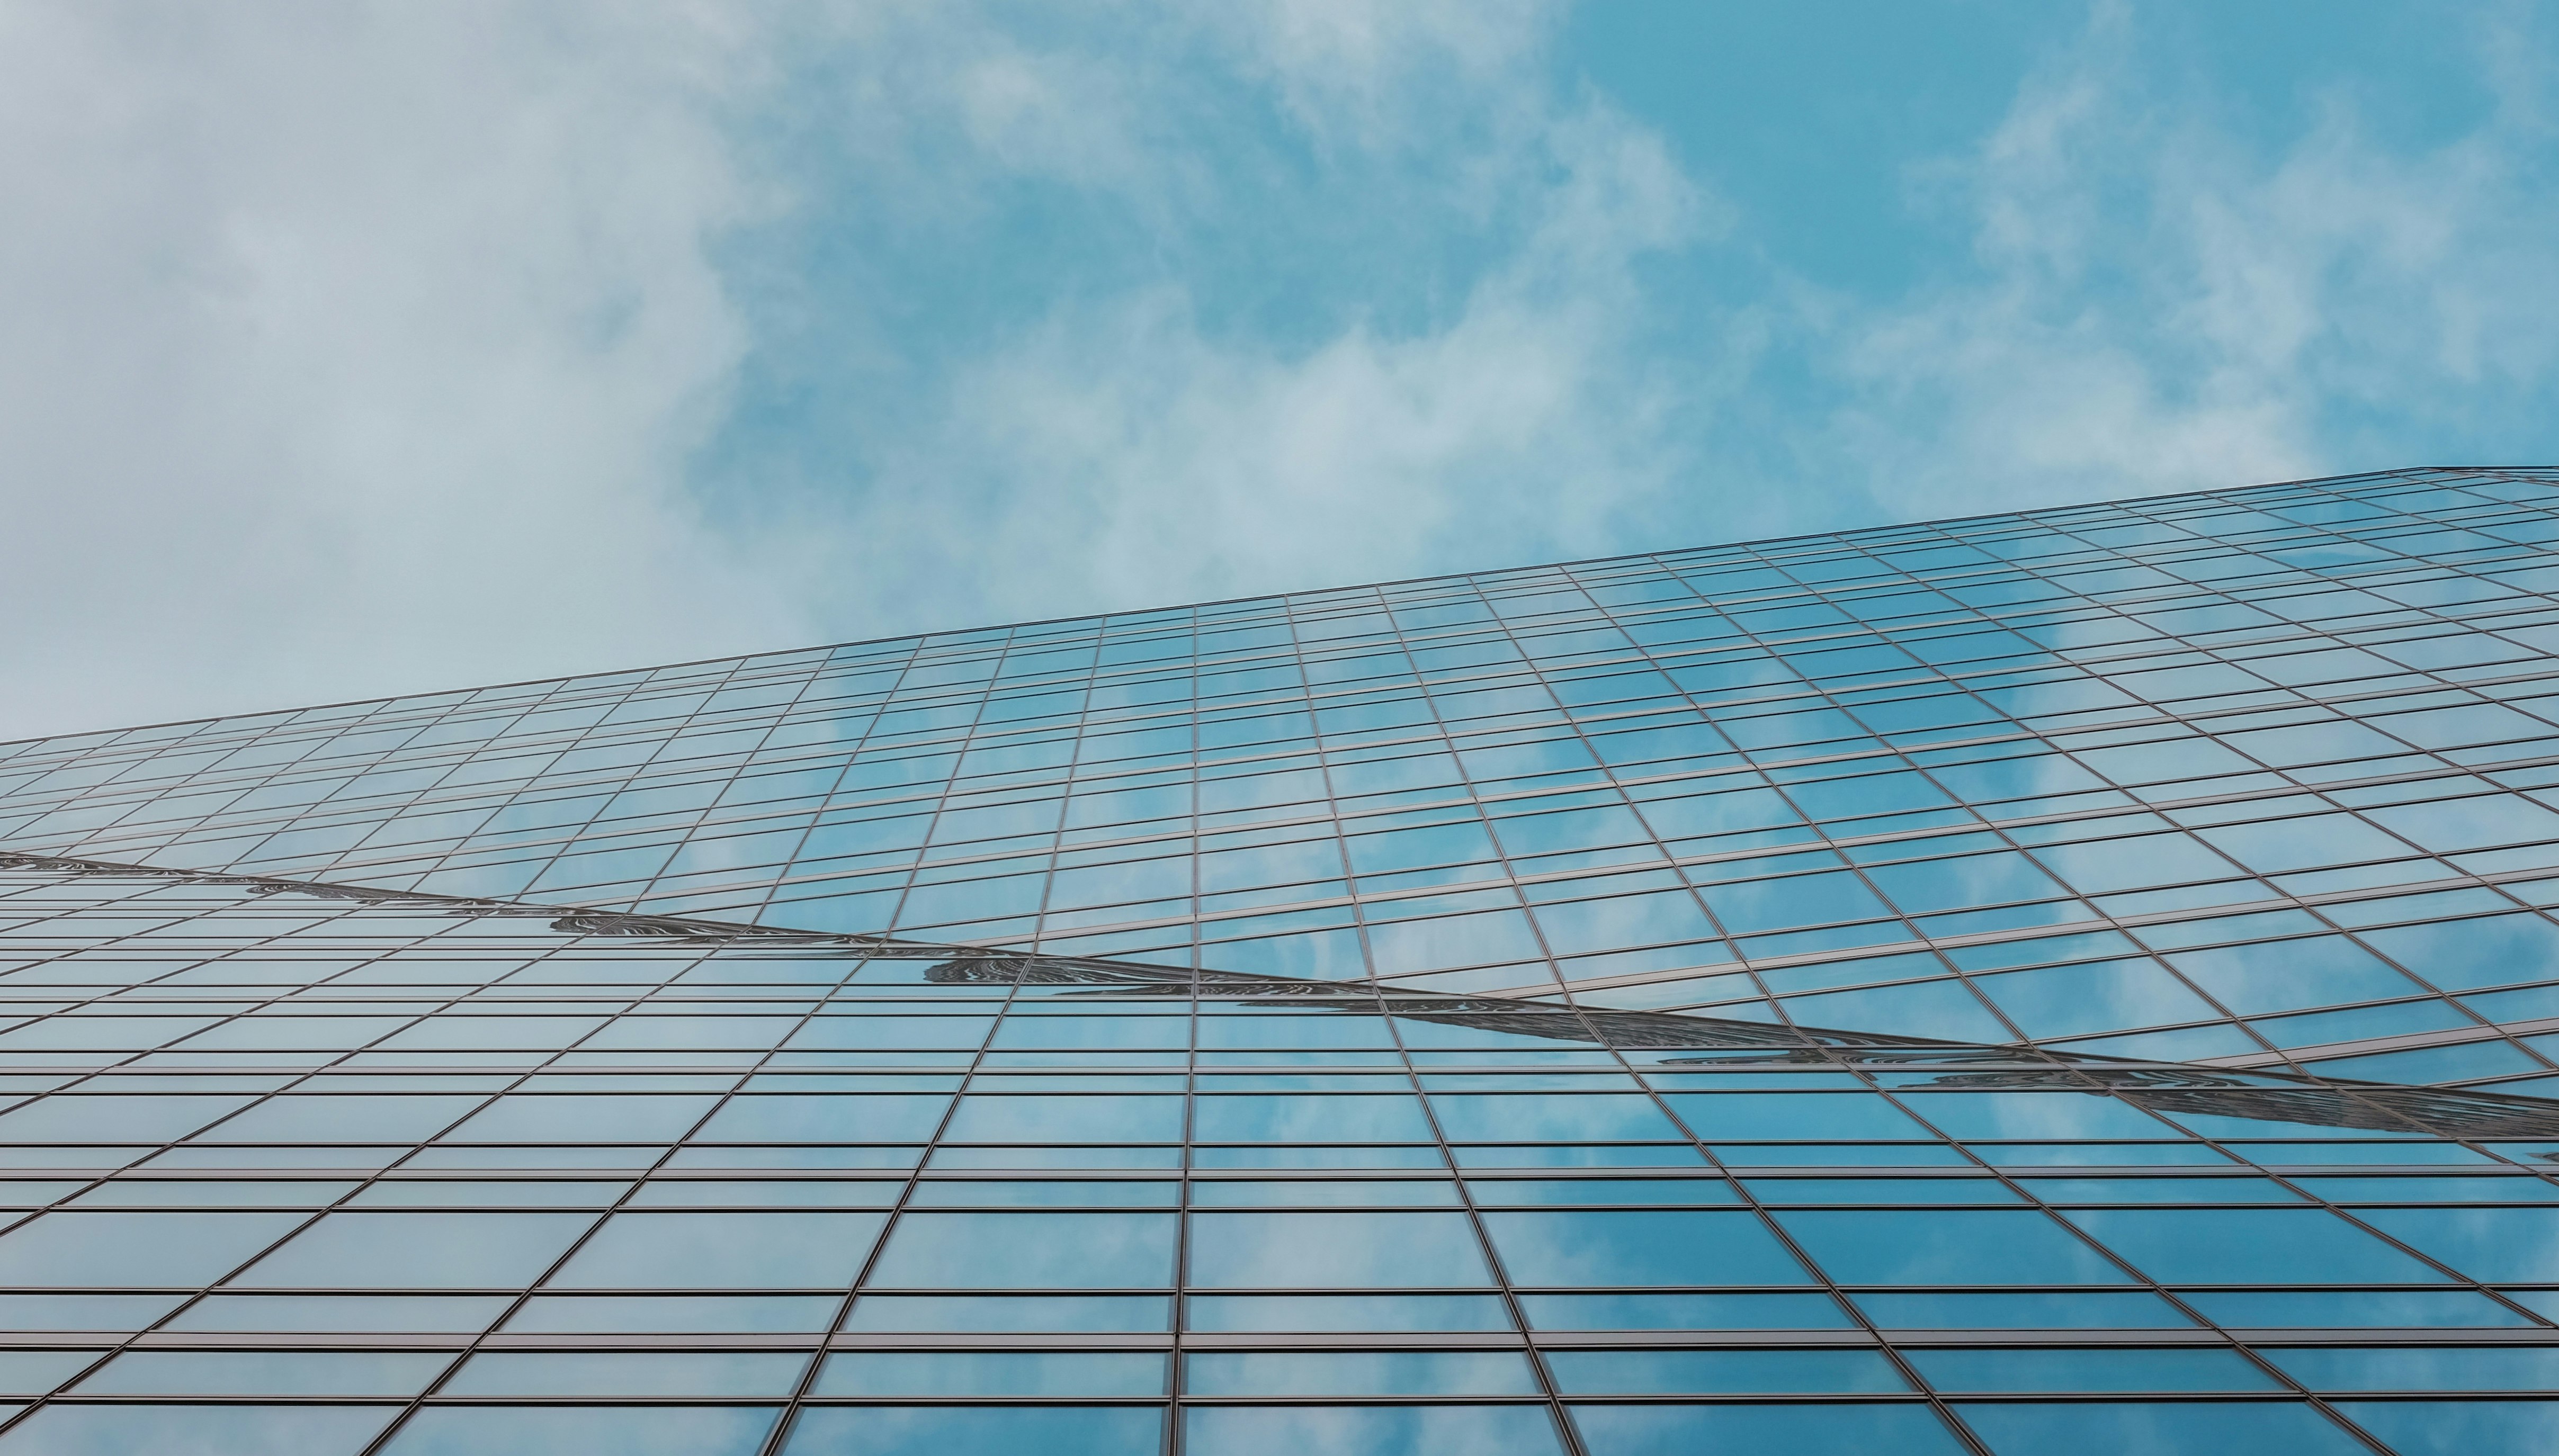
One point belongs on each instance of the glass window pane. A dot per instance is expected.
(1334, 1250)
(722, 1252)
(1630, 1247)
(582, 1431)
(936, 1250)
(946, 1430)
(1371, 1430)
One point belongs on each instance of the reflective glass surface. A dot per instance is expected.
(2077, 980)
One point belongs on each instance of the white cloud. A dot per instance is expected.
(2157, 305)
(1121, 454)
(360, 348)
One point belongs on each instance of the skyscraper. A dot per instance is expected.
(2069, 981)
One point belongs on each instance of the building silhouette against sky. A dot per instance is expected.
(2073, 981)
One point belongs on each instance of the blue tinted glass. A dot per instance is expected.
(961, 1430)
(2446, 1367)
(582, 1431)
(1682, 1312)
(1358, 1372)
(722, 1250)
(1371, 1430)
(1973, 1371)
(1082, 1374)
(1018, 1314)
(1721, 1371)
(1327, 1312)
(1026, 1251)
(2162, 1428)
(2518, 1246)
(628, 1372)
(418, 1251)
(1933, 1246)
(265, 1373)
(2250, 1245)
(2456, 1427)
(1631, 1247)
(200, 1430)
(1337, 1251)
(109, 1249)
(2078, 1310)
(1814, 1430)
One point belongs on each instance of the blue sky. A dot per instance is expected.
(364, 349)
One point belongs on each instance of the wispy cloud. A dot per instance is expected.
(360, 348)
(373, 348)
(2157, 304)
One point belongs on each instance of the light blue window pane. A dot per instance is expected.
(961, 1430)
(1639, 1247)
(1073, 1033)
(332, 1118)
(1658, 918)
(2498, 1245)
(83, 1311)
(1280, 1118)
(2077, 1310)
(1798, 1431)
(418, 1251)
(1947, 1247)
(865, 1033)
(825, 1193)
(2458, 1428)
(2287, 975)
(583, 1431)
(583, 1119)
(2462, 954)
(2134, 863)
(267, 1373)
(1358, 1372)
(1722, 1372)
(2438, 1368)
(1404, 948)
(103, 1118)
(1977, 1371)
(2309, 1309)
(1124, 1314)
(628, 1372)
(1551, 1118)
(198, 1430)
(1601, 1192)
(828, 1118)
(1928, 885)
(936, 1250)
(1345, 1313)
(134, 1250)
(2160, 1428)
(1286, 1028)
(741, 1314)
(722, 1252)
(371, 1314)
(1086, 1118)
(1751, 906)
(1791, 1116)
(2103, 995)
(38, 1371)
(1682, 1312)
(1334, 1250)
(2250, 1247)
(1371, 1430)
(2036, 1115)
(2278, 845)
(1064, 1374)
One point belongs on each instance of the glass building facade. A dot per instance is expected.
(2079, 981)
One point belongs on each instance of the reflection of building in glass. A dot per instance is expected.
(2071, 981)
